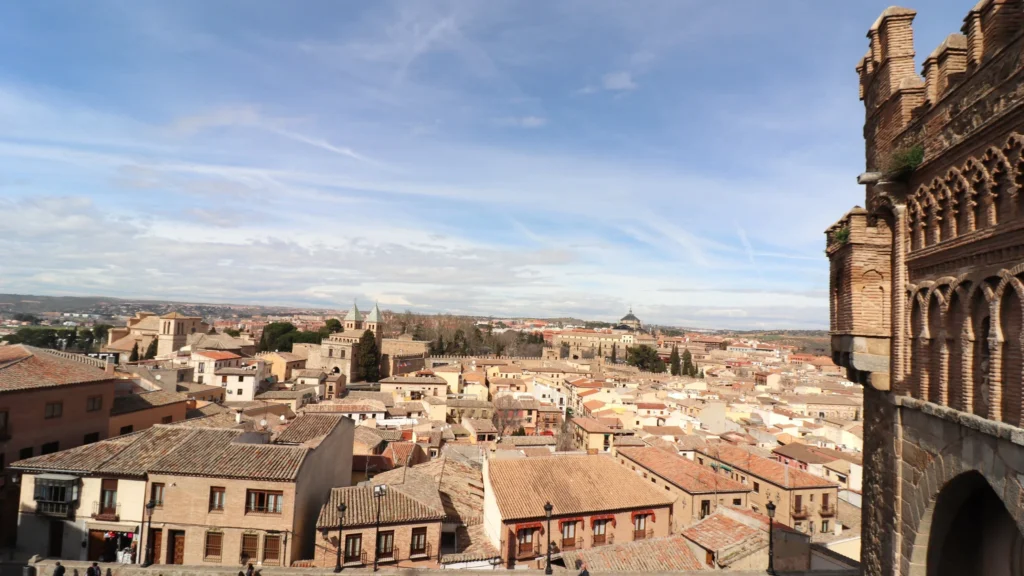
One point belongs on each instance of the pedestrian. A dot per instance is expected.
(250, 571)
(581, 568)
(94, 570)
(59, 570)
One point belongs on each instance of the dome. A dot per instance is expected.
(629, 317)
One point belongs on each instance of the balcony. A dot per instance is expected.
(643, 534)
(566, 544)
(527, 550)
(55, 509)
(602, 539)
(799, 512)
(827, 510)
(106, 513)
(358, 559)
(422, 554)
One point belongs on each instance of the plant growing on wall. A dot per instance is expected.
(903, 162)
(841, 236)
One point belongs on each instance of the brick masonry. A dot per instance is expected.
(926, 280)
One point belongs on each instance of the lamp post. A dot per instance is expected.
(341, 523)
(770, 508)
(379, 492)
(547, 512)
(150, 506)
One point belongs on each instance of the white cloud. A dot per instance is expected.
(618, 81)
(524, 121)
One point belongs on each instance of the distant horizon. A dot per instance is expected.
(364, 306)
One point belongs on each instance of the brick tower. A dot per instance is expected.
(926, 297)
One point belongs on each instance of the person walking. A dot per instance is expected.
(59, 570)
(94, 570)
(250, 571)
(581, 568)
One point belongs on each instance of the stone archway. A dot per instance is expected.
(965, 528)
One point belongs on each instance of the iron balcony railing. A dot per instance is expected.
(56, 509)
(566, 544)
(602, 539)
(643, 534)
(425, 552)
(528, 550)
(107, 513)
(828, 510)
(800, 512)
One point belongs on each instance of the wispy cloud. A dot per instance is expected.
(524, 121)
(618, 81)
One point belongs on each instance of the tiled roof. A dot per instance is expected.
(480, 426)
(293, 394)
(308, 427)
(388, 434)
(235, 372)
(177, 450)
(592, 425)
(687, 475)
(469, 403)
(400, 452)
(366, 435)
(216, 355)
(361, 508)
(527, 441)
(665, 431)
(308, 373)
(385, 398)
(718, 532)
(802, 453)
(593, 405)
(770, 470)
(650, 406)
(425, 380)
(26, 367)
(286, 356)
(573, 484)
(671, 554)
(472, 545)
(347, 406)
(145, 401)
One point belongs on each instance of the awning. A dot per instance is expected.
(112, 526)
(643, 513)
(564, 521)
(530, 526)
(608, 517)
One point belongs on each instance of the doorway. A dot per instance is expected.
(156, 541)
(176, 547)
(56, 539)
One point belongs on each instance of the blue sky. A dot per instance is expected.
(506, 158)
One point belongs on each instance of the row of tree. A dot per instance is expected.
(74, 339)
(280, 336)
(684, 365)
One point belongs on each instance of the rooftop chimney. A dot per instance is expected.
(238, 416)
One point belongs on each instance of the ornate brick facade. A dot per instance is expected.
(927, 292)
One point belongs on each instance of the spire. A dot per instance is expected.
(353, 314)
(374, 315)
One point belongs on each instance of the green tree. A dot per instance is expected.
(151, 350)
(519, 431)
(563, 351)
(274, 340)
(213, 330)
(615, 349)
(688, 368)
(86, 338)
(368, 363)
(438, 349)
(701, 376)
(645, 358)
(101, 331)
(134, 357)
(334, 326)
(232, 332)
(26, 318)
(418, 333)
(673, 361)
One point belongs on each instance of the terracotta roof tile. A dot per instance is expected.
(573, 484)
(144, 401)
(26, 367)
(361, 508)
(770, 470)
(309, 427)
(682, 472)
(671, 554)
(718, 532)
(216, 355)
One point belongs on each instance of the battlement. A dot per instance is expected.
(904, 109)
(857, 227)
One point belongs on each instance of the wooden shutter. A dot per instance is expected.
(214, 544)
(250, 547)
(272, 549)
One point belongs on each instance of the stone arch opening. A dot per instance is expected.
(959, 345)
(936, 346)
(1010, 327)
(981, 326)
(971, 532)
(919, 358)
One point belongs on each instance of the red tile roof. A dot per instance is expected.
(770, 470)
(682, 472)
(26, 367)
(717, 532)
(216, 355)
(670, 554)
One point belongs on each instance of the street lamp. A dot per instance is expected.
(770, 508)
(341, 523)
(150, 506)
(379, 492)
(547, 512)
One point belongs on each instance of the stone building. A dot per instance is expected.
(339, 352)
(170, 330)
(926, 296)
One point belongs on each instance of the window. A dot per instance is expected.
(127, 429)
(223, 379)
(757, 487)
(600, 529)
(263, 502)
(91, 437)
(216, 498)
(525, 538)
(810, 527)
(25, 453)
(354, 548)
(705, 508)
(156, 494)
(108, 496)
(330, 352)
(93, 403)
(386, 545)
(272, 550)
(214, 546)
(419, 541)
(241, 378)
(201, 367)
(824, 526)
(250, 545)
(568, 535)
(239, 392)
(54, 409)
(49, 448)
(3, 422)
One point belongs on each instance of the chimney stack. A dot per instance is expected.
(238, 416)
